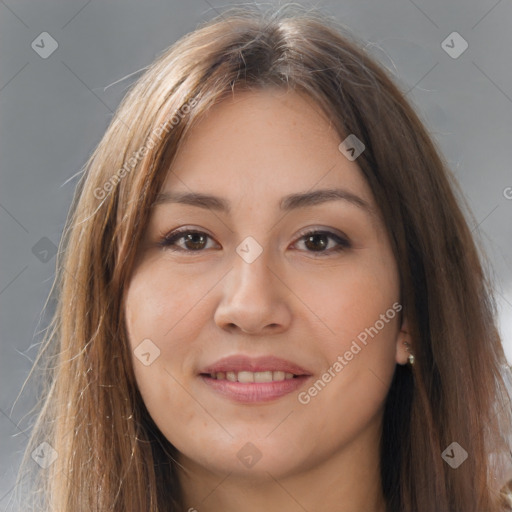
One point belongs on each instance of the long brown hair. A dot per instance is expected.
(110, 454)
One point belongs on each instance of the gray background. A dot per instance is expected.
(54, 111)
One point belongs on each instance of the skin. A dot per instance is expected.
(294, 301)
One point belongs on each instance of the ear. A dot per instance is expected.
(403, 343)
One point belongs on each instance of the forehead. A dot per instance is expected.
(257, 142)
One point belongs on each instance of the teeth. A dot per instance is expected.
(260, 377)
(278, 375)
(245, 376)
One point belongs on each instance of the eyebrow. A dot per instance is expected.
(287, 203)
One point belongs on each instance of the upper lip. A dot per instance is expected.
(238, 363)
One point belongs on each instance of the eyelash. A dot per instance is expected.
(168, 241)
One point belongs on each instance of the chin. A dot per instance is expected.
(250, 457)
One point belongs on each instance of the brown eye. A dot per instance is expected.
(186, 240)
(316, 242)
(324, 242)
(194, 241)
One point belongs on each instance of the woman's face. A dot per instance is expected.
(266, 332)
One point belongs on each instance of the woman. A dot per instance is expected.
(268, 296)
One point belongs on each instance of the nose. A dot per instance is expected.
(253, 299)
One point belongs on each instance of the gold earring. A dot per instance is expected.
(411, 356)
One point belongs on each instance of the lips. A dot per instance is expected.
(261, 365)
(249, 380)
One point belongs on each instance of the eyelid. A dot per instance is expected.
(321, 229)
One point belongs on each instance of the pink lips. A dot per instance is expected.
(253, 392)
(250, 364)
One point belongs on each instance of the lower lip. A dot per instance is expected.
(253, 392)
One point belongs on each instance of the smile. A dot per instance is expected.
(244, 379)
(248, 376)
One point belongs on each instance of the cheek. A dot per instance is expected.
(351, 298)
(361, 306)
(360, 311)
(162, 308)
(169, 312)
(164, 311)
